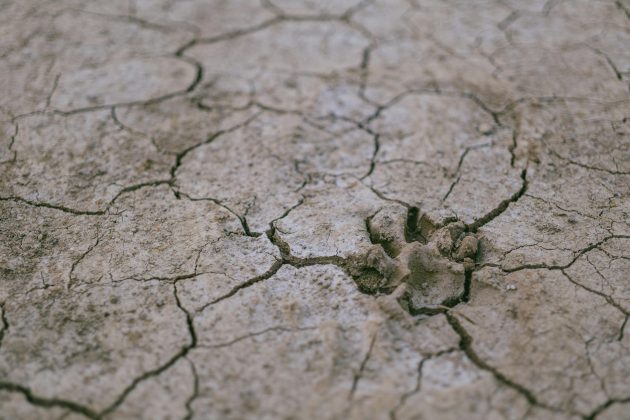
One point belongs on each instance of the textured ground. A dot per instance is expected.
(274, 209)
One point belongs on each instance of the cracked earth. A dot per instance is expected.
(281, 209)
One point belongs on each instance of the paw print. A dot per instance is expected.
(427, 265)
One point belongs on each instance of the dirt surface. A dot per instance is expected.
(282, 209)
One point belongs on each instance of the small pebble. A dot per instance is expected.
(469, 264)
(467, 248)
(510, 287)
(485, 129)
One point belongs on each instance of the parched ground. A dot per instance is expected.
(324, 209)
